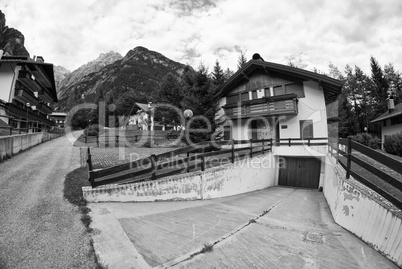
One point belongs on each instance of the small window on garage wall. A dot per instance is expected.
(227, 132)
(254, 95)
(306, 129)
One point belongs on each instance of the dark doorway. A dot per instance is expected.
(300, 172)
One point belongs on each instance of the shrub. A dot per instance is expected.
(92, 130)
(172, 134)
(393, 144)
(367, 140)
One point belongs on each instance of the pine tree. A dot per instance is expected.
(242, 60)
(380, 89)
(218, 76)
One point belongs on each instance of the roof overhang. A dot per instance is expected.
(387, 115)
(332, 87)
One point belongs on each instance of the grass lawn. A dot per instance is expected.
(397, 193)
(73, 183)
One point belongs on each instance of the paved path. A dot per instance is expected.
(38, 227)
(273, 228)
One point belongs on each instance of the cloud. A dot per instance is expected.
(313, 32)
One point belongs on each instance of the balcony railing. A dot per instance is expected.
(25, 78)
(19, 112)
(24, 95)
(266, 106)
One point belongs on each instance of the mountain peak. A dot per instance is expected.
(11, 40)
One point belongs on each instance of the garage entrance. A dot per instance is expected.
(300, 172)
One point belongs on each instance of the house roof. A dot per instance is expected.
(332, 87)
(387, 115)
(142, 106)
(46, 67)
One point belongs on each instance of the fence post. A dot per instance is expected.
(203, 159)
(86, 137)
(290, 142)
(90, 172)
(97, 140)
(251, 148)
(270, 143)
(349, 161)
(136, 138)
(188, 161)
(117, 140)
(308, 142)
(153, 163)
(233, 151)
(337, 150)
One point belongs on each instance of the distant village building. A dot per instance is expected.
(390, 121)
(265, 100)
(59, 118)
(142, 119)
(27, 91)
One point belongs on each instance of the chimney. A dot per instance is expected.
(40, 59)
(391, 105)
(257, 56)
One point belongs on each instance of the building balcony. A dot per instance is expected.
(24, 95)
(21, 113)
(44, 108)
(266, 106)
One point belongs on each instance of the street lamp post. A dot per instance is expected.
(27, 105)
(188, 114)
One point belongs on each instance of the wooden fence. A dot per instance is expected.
(190, 158)
(382, 158)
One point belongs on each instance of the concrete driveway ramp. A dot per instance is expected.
(279, 227)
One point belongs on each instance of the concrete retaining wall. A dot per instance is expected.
(10, 145)
(244, 176)
(363, 212)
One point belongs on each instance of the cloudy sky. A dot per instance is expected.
(311, 33)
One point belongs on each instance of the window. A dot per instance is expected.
(295, 88)
(306, 129)
(254, 95)
(232, 99)
(278, 90)
(244, 96)
(227, 132)
(267, 92)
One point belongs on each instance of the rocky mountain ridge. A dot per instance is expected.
(136, 77)
(11, 40)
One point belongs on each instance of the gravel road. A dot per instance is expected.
(38, 227)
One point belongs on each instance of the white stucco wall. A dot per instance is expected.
(7, 80)
(243, 176)
(363, 212)
(311, 107)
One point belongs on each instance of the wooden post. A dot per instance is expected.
(117, 140)
(349, 161)
(290, 142)
(97, 140)
(270, 143)
(86, 137)
(153, 163)
(251, 148)
(203, 159)
(233, 151)
(337, 150)
(188, 161)
(136, 138)
(90, 172)
(308, 142)
(11, 131)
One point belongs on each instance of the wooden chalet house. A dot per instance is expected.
(265, 100)
(27, 92)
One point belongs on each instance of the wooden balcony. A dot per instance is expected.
(21, 113)
(24, 95)
(266, 106)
